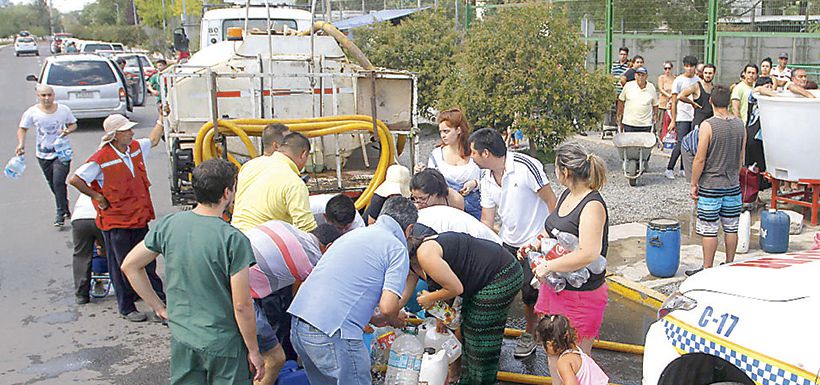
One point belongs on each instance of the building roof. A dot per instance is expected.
(375, 17)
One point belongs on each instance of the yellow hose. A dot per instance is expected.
(205, 147)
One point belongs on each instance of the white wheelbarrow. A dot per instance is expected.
(634, 149)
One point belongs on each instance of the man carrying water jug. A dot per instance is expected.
(715, 177)
(50, 120)
(115, 178)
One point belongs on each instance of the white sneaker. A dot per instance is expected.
(670, 174)
(682, 173)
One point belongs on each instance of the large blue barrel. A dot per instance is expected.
(774, 231)
(663, 247)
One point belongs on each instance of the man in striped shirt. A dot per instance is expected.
(515, 186)
(284, 255)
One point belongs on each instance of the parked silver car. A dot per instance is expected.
(92, 86)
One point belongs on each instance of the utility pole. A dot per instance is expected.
(164, 24)
(50, 18)
(134, 10)
(183, 17)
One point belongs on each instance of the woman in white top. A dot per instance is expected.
(452, 158)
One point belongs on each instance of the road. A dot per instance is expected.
(46, 338)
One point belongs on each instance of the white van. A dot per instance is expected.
(215, 22)
(92, 86)
(749, 322)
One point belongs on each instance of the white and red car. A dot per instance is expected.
(749, 322)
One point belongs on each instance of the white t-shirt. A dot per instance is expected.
(454, 174)
(47, 127)
(318, 203)
(443, 218)
(685, 111)
(91, 171)
(786, 74)
(83, 209)
(638, 103)
(522, 211)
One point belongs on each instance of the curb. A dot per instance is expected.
(635, 291)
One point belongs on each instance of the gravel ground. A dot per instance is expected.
(654, 197)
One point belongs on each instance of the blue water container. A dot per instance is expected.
(774, 231)
(292, 375)
(663, 247)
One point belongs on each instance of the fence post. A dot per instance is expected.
(711, 33)
(608, 34)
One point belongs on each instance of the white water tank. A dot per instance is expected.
(791, 135)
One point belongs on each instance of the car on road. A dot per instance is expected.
(87, 46)
(92, 86)
(25, 45)
(748, 322)
(57, 41)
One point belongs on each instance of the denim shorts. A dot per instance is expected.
(265, 335)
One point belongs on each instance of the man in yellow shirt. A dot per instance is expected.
(269, 187)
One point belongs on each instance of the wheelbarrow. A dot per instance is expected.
(634, 149)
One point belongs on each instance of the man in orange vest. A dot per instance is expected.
(115, 178)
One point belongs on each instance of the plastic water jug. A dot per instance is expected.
(446, 342)
(15, 167)
(63, 148)
(292, 375)
(663, 247)
(774, 231)
(404, 363)
(744, 232)
(433, 367)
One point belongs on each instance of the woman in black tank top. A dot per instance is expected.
(486, 276)
(581, 211)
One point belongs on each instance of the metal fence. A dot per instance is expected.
(727, 33)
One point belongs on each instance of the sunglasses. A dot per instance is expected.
(667, 68)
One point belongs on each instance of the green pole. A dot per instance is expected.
(711, 33)
(608, 34)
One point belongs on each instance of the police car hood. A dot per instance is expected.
(772, 277)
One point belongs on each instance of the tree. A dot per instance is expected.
(424, 43)
(526, 65)
(19, 17)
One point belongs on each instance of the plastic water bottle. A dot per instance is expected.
(598, 265)
(383, 339)
(63, 148)
(15, 167)
(577, 277)
(404, 364)
(744, 232)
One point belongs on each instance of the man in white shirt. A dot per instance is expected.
(441, 218)
(49, 121)
(782, 73)
(637, 104)
(337, 210)
(86, 236)
(515, 186)
(682, 114)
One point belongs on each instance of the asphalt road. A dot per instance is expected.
(46, 338)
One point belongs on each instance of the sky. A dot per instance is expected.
(62, 5)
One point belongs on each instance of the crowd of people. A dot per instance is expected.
(717, 130)
(260, 271)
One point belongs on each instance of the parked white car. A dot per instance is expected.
(92, 86)
(87, 46)
(749, 322)
(25, 45)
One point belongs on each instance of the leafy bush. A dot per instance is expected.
(424, 43)
(526, 65)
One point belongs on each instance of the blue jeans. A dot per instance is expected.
(472, 202)
(330, 360)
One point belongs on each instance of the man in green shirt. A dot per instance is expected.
(740, 94)
(210, 311)
(153, 82)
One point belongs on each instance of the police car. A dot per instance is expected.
(750, 322)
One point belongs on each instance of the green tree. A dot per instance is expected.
(152, 13)
(526, 65)
(24, 17)
(424, 43)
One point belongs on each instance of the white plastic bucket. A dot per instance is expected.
(791, 135)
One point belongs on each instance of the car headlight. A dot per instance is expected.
(676, 301)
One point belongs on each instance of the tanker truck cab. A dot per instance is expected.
(749, 322)
(215, 22)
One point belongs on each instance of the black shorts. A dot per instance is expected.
(628, 128)
(528, 295)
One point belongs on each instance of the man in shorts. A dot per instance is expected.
(715, 182)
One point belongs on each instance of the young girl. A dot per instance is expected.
(574, 366)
